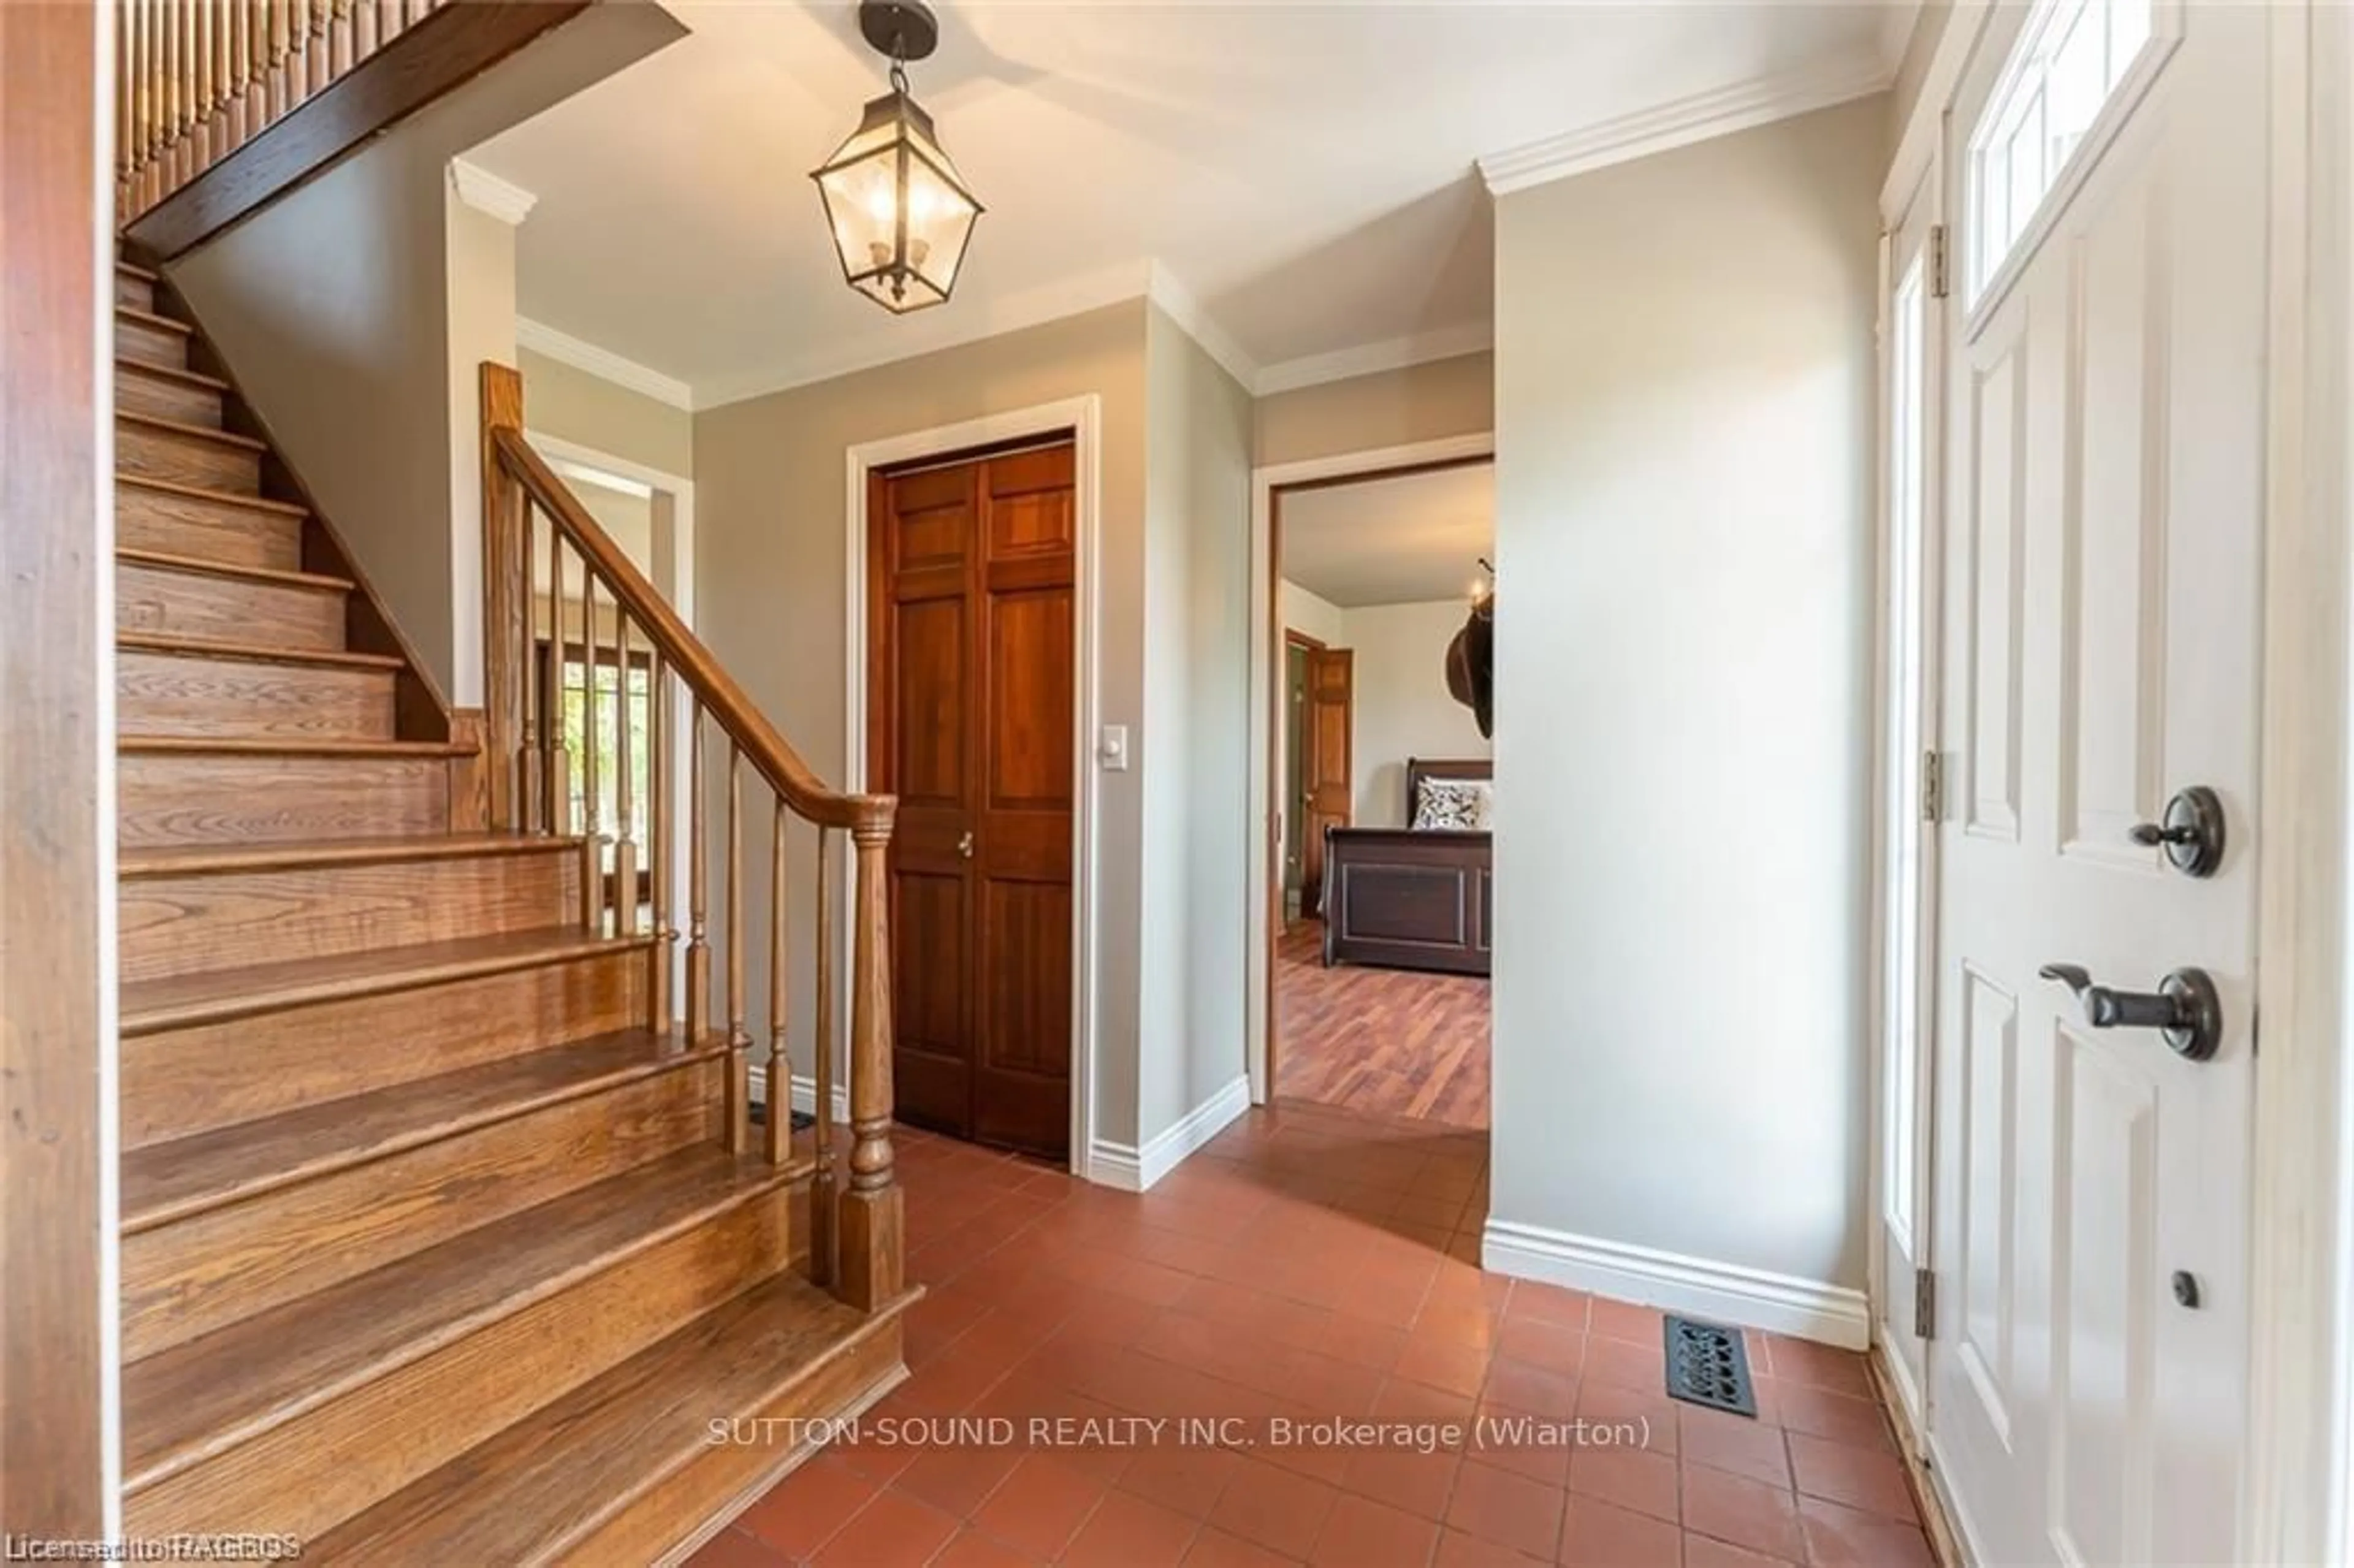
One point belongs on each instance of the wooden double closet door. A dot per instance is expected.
(970, 680)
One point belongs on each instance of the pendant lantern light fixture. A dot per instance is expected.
(899, 213)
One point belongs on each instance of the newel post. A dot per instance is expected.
(872, 1262)
(506, 606)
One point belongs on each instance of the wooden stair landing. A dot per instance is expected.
(433, 1249)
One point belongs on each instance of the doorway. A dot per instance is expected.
(972, 577)
(1377, 892)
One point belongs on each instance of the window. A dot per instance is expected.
(2071, 58)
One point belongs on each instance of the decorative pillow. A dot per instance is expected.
(1453, 805)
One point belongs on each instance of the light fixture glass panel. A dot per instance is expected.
(899, 213)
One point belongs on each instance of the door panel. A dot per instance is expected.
(972, 683)
(1327, 783)
(2102, 650)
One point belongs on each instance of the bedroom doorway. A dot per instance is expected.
(1378, 781)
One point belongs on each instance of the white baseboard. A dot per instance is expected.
(804, 1094)
(1720, 1292)
(1134, 1169)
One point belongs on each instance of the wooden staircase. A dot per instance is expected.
(441, 1241)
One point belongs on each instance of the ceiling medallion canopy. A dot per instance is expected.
(900, 213)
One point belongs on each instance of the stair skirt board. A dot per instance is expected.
(1702, 1287)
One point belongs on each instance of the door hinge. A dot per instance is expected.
(1925, 1304)
(1933, 787)
(1940, 265)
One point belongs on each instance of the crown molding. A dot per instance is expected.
(1741, 107)
(1370, 358)
(486, 193)
(603, 364)
(1177, 301)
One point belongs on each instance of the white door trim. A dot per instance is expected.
(2301, 1391)
(1083, 416)
(1265, 636)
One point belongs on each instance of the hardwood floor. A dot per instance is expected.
(1384, 1042)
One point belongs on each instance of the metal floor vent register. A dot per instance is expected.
(802, 1120)
(1709, 1364)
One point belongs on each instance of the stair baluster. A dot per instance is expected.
(592, 799)
(739, 1063)
(780, 1061)
(824, 1202)
(698, 950)
(625, 853)
(547, 656)
(666, 934)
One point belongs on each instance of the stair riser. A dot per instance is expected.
(300, 1479)
(165, 398)
(190, 604)
(168, 799)
(723, 1479)
(136, 292)
(206, 531)
(177, 925)
(186, 459)
(191, 1080)
(150, 345)
(210, 1269)
(159, 694)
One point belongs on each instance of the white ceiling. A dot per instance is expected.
(1296, 180)
(1408, 539)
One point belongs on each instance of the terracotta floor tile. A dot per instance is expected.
(1825, 1413)
(1553, 1303)
(1361, 1533)
(1419, 1483)
(800, 1512)
(731, 1548)
(972, 1549)
(1597, 1534)
(1507, 1509)
(1624, 1320)
(1537, 1390)
(1278, 1508)
(1523, 1443)
(894, 1528)
(1442, 1363)
(1803, 1361)
(1706, 1552)
(1040, 1506)
(956, 1479)
(1456, 1550)
(1557, 1347)
(1187, 1478)
(1722, 1441)
(1866, 1478)
(1742, 1512)
(1216, 1549)
(1841, 1536)
(1129, 1533)
(1626, 1363)
(1648, 1415)
(1627, 1477)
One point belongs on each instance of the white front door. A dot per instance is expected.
(2105, 455)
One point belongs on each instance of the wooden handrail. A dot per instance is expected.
(734, 712)
(857, 1207)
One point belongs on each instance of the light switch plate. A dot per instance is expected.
(1113, 749)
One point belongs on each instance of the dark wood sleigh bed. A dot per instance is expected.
(1410, 900)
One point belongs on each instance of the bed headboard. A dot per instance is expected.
(1418, 769)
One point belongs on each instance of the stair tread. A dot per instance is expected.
(193, 432)
(218, 497)
(132, 269)
(193, 1399)
(164, 1181)
(176, 1001)
(291, 745)
(203, 566)
(181, 860)
(150, 319)
(196, 378)
(553, 1475)
(183, 645)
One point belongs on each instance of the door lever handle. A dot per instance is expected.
(2184, 1008)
